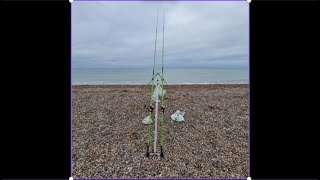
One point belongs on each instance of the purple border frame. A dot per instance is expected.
(249, 172)
(161, 178)
(71, 90)
(249, 157)
(156, 0)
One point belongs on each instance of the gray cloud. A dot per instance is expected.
(122, 34)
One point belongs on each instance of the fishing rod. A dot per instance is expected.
(162, 95)
(155, 93)
(152, 89)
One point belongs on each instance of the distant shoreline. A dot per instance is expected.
(173, 84)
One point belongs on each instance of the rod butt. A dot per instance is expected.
(147, 154)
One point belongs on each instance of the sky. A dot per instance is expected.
(196, 34)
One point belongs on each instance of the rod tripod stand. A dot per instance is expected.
(157, 93)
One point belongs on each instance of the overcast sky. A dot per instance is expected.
(197, 34)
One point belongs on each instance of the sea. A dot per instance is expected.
(135, 76)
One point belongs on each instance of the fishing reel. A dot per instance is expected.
(162, 108)
(150, 109)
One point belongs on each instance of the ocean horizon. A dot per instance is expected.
(142, 76)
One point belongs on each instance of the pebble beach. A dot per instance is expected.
(109, 138)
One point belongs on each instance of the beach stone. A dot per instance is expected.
(109, 139)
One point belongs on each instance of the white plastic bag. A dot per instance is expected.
(177, 116)
(147, 120)
(159, 93)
